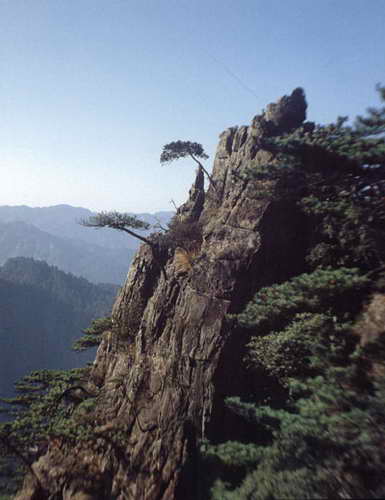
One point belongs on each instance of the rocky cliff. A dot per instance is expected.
(161, 374)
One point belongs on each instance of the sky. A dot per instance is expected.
(91, 90)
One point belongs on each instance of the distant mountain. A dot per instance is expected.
(97, 264)
(63, 221)
(42, 311)
(53, 234)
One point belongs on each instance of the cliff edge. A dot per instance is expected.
(162, 372)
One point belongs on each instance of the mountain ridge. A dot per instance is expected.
(43, 310)
(63, 220)
(93, 262)
(54, 235)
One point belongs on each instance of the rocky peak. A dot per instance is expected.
(288, 113)
(191, 210)
(163, 371)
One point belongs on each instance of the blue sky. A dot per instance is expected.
(90, 90)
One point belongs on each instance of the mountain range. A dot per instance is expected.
(42, 312)
(53, 234)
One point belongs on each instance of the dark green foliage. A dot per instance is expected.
(327, 435)
(336, 174)
(50, 406)
(181, 149)
(83, 296)
(93, 334)
(332, 290)
(119, 221)
(288, 352)
(114, 220)
(328, 445)
(327, 438)
(40, 412)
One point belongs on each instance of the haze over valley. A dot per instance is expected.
(42, 312)
(56, 277)
(54, 235)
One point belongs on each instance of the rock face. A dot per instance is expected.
(172, 356)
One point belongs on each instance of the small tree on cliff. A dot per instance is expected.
(120, 221)
(126, 223)
(182, 149)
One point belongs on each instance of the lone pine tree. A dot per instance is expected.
(182, 149)
(128, 224)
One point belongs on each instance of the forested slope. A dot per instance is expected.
(87, 260)
(43, 310)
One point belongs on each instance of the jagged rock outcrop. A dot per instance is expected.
(171, 357)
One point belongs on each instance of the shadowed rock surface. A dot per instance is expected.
(172, 356)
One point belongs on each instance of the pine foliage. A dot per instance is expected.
(92, 336)
(325, 438)
(49, 406)
(38, 414)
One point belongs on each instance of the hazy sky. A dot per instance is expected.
(90, 90)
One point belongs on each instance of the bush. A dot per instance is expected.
(182, 233)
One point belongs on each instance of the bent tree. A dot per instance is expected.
(182, 149)
(120, 221)
(126, 223)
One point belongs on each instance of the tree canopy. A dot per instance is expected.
(182, 149)
(117, 220)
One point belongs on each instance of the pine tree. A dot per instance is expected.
(37, 414)
(92, 336)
